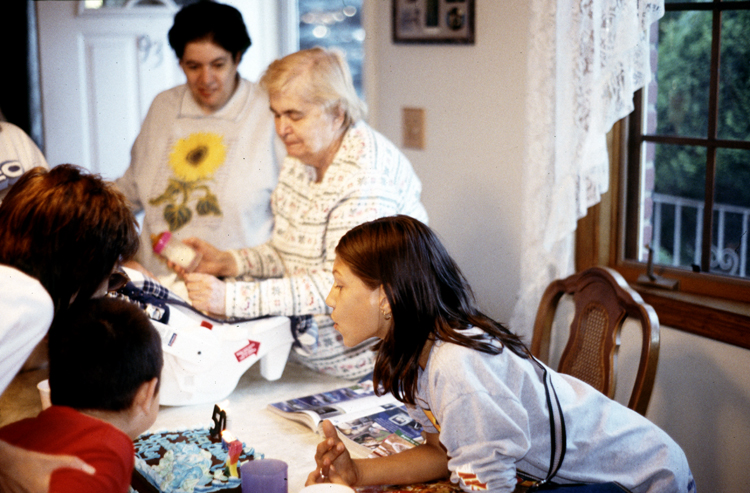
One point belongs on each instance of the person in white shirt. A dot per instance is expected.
(206, 159)
(18, 154)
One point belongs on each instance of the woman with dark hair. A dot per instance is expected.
(64, 234)
(205, 161)
(471, 383)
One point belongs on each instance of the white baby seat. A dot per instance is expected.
(204, 359)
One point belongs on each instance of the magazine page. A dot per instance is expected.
(393, 444)
(380, 431)
(312, 409)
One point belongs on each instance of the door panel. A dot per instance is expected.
(114, 115)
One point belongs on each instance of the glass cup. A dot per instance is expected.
(264, 476)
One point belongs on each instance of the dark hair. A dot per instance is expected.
(100, 353)
(428, 295)
(68, 229)
(213, 21)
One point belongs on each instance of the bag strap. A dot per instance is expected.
(558, 436)
(557, 427)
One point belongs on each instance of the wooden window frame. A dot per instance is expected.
(708, 305)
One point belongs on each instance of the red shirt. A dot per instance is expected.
(63, 430)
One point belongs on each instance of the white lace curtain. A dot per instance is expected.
(586, 59)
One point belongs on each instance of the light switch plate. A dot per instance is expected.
(413, 123)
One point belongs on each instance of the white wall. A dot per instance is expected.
(471, 173)
(261, 18)
(702, 399)
(470, 169)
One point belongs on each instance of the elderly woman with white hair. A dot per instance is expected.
(338, 173)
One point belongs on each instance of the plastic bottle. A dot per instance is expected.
(176, 251)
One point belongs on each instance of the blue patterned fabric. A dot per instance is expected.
(155, 299)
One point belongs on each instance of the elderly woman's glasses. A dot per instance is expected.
(117, 280)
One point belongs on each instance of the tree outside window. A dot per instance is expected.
(689, 156)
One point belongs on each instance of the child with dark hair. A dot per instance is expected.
(105, 364)
(472, 384)
(67, 229)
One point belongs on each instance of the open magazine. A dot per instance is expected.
(369, 425)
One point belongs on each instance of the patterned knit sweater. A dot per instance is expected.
(292, 273)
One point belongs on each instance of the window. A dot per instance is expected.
(682, 174)
(334, 23)
(692, 150)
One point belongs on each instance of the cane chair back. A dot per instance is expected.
(602, 301)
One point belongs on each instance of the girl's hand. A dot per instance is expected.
(335, 465)
(206, 293)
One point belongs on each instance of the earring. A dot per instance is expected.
(387, 316)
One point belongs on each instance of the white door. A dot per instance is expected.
(101, 68)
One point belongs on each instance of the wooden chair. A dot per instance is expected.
(602, 301)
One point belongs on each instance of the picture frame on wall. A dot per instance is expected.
(433, 21)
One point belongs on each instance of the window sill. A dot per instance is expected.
(719, 319)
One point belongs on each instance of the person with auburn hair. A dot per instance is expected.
(479, 394)
(338, 173)
(64, 233)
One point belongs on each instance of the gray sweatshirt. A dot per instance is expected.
(492, 416)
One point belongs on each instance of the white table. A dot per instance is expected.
(250, 421)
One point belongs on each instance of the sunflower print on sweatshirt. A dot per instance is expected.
(193, 160)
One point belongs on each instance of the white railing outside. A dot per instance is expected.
(730, 260)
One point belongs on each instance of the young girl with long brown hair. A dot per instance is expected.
(480, 396)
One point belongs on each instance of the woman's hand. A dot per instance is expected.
(334, 464)
(206, 293)
(17, 463)
(213, 261)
